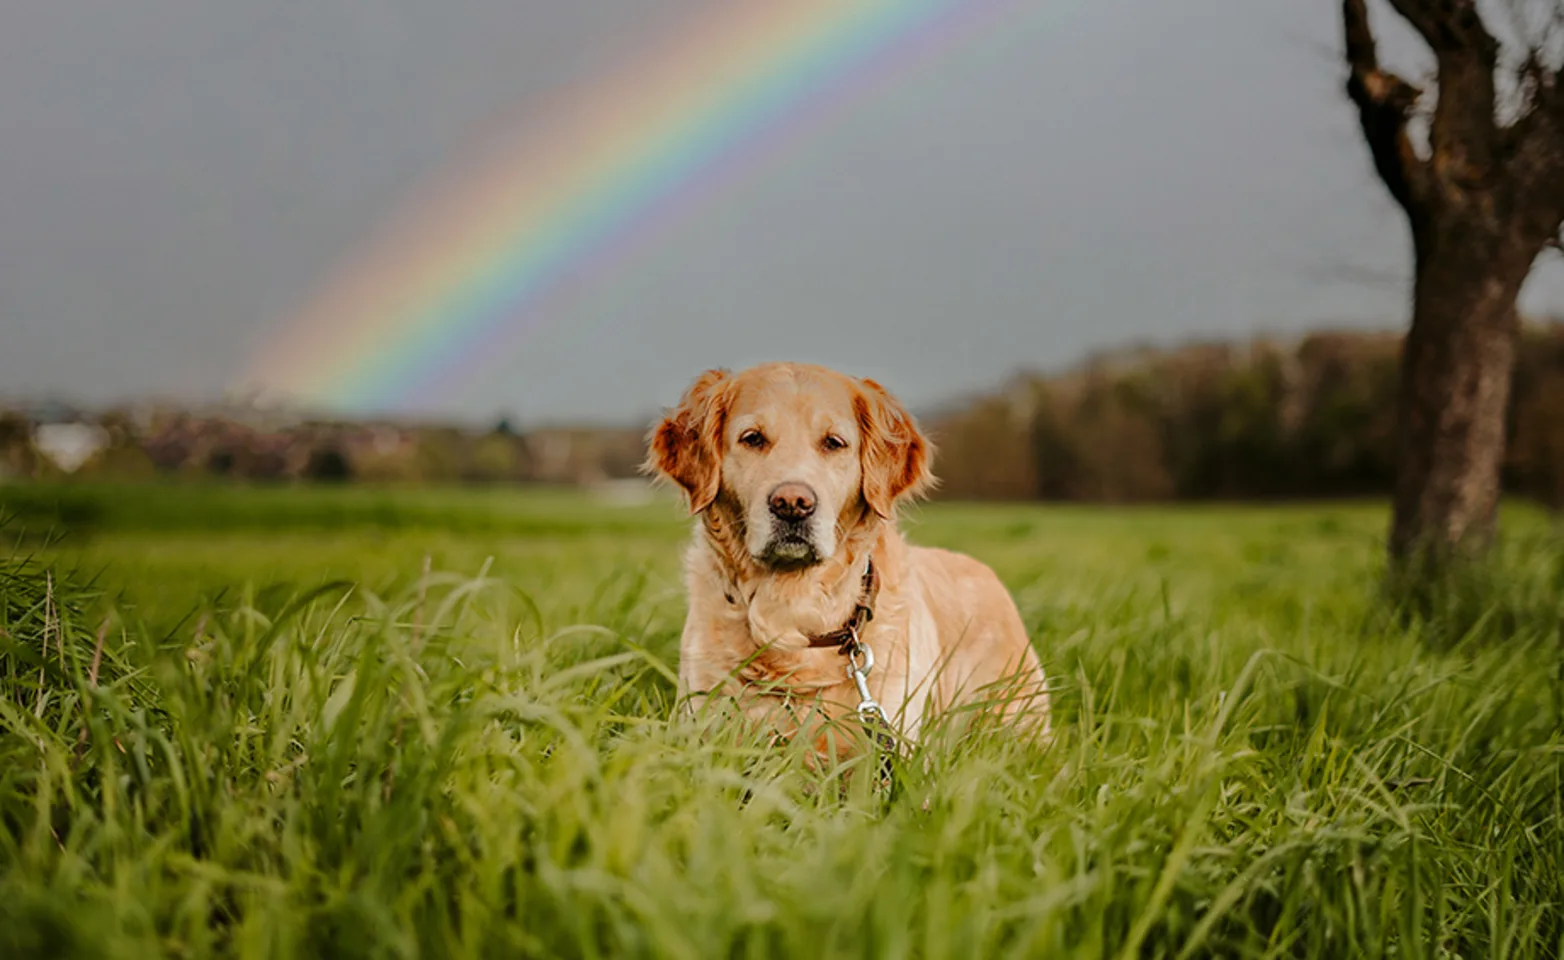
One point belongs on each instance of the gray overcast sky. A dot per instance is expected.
(176, 176)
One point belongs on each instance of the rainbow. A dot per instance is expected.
(469, 269)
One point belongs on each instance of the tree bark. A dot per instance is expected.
(1455, 390)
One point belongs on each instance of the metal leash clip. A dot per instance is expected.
(860, 660)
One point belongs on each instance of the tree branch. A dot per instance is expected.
(1465, 129)
(1449, 26)
(1533, 154)
(1385, 103)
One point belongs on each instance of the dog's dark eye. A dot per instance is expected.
(833, 442)
(753, 439)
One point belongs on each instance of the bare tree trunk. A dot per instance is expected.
(1455, 389)
(1482, 200)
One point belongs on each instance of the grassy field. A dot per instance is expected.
(344, 723)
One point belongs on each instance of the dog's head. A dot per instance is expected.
(795, 453)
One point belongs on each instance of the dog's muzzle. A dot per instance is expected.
(792, 542)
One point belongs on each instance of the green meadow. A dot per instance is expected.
(353, 722)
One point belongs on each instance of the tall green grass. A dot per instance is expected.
(1256, 756)
(89, 508)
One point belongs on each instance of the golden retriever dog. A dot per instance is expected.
(795, 473)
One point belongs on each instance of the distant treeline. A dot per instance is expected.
(1256, 421)
(1313, 419)
(241, 445)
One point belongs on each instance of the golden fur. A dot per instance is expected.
(945, 630)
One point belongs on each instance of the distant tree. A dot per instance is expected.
(1053, 447)
(440, 454)
(983, 452)
(1535, 460)
(494, 458)
(328, 464)
(17, 456)
(1480, 177)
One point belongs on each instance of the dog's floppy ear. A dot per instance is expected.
(686, 446)
(895, 453)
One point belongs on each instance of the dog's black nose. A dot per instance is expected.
(792, 501)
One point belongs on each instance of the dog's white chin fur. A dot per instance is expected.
(812, 543)
(792, 551)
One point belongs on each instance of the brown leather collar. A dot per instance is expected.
(862, 613)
